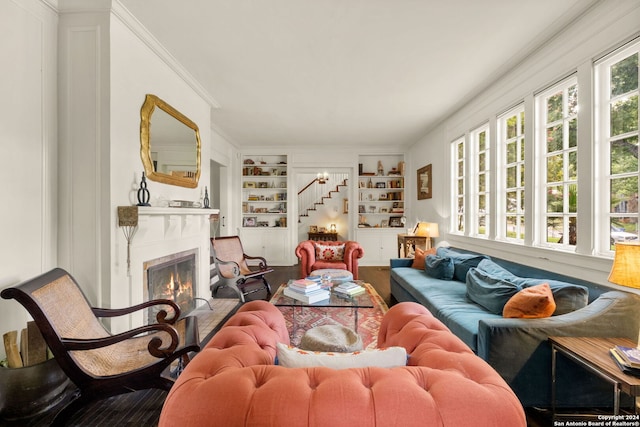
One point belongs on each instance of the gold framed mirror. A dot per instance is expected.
(169, 144)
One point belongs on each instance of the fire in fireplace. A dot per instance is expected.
(172, 277)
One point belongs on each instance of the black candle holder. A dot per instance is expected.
(143, 193)
(205, 201)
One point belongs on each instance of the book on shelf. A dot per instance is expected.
(631, 355)
(316, 296)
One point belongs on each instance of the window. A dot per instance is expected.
(457, 154)
(617, 121)
(557, 145)
(480, 194)
(511, 184)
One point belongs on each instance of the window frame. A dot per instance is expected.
(503, 140)
(542, 125)
(604, 177)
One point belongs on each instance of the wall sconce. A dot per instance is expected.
(128, 220)
(322, 178)
(427, 229)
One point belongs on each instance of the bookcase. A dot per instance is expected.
(380, 190)
(264, 191)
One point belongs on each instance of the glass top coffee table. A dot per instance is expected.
(335, 301)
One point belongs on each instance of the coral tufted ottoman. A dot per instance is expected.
(233, 381)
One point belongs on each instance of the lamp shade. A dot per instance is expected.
(626, 265)
(427, 229)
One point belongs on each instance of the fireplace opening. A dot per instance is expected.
(172, 277)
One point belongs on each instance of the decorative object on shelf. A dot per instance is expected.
(128, 220)
(424, 183)
(249, 221)
(205, 201)
(313, 229)
(380, 168)
(143, 193)
(183, 204)
(332, 228)
(395, 221)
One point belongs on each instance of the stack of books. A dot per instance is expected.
(307, 291)
(627, 359)
(348, 289)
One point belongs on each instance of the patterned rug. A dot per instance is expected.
(310, 317)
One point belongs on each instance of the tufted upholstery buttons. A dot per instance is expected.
(233, 382)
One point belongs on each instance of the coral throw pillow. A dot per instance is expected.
(420, 255)
(531, 303)
(329, 252)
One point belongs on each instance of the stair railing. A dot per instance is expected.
(317, 190)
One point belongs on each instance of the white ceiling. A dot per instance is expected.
(346, 72)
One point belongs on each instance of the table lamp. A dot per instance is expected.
(626, 267)
(427, 229)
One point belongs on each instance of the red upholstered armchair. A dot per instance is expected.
(328, 254)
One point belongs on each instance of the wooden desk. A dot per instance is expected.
(406, 242)
(593, 355)
(324, 236)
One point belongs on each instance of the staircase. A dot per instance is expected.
(315, 193)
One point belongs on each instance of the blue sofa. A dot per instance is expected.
(518, 348)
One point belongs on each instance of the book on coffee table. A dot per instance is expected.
(307, 298)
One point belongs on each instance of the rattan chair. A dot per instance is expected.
(232, 269)
(99, 363)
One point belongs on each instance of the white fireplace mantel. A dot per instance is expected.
(161, 231)
(153, 210)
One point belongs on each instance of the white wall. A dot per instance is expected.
(599, 30)
(28, 153)
(135, 71)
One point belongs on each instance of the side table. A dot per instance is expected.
(592, 353)
(324, 236)
(407, 241)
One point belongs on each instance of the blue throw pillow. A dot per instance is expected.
(494, 270)
(462, 262)
(489, 292)
(568, 296)
(438, 267)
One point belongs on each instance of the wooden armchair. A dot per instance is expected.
(99, 363)
(233, 271)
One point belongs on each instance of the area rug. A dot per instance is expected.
(309, 317)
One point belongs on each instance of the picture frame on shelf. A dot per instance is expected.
(249, 221)
(249, 184)
(381, 185)
(313, 229)
(384, 223)
(263, 223)
(361, 209)
(395, 221)
(384, 210)
(382, 196)
(424, 187)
